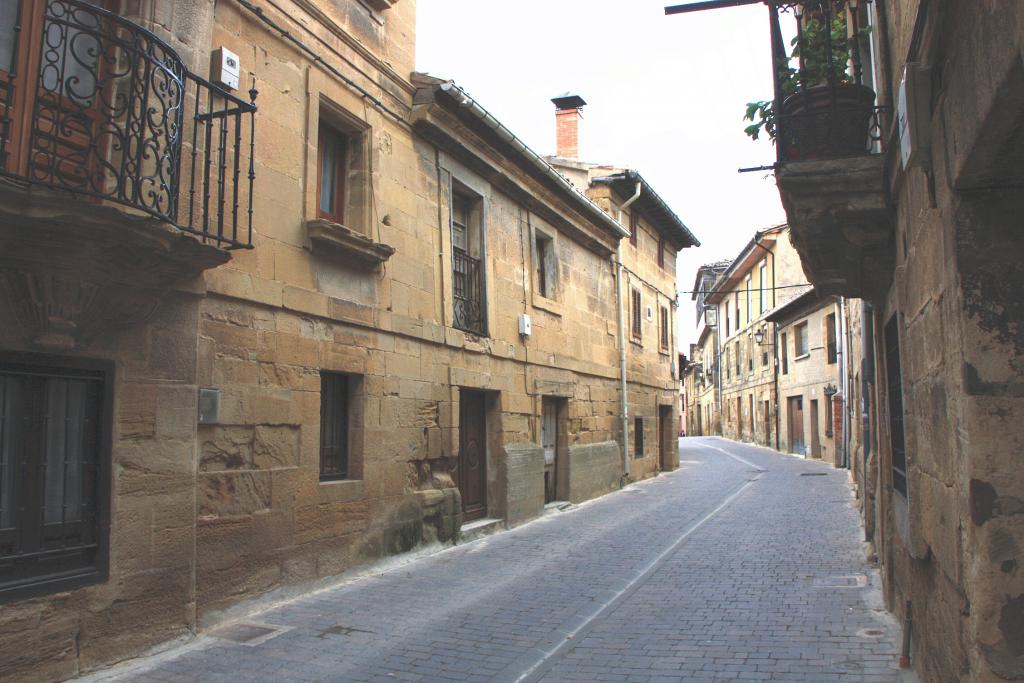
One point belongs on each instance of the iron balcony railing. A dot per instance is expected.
(468, 292)
(97, 105)
(823, 107)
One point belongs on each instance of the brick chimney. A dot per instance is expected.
(567, 122)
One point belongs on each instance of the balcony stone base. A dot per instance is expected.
(71, 268)
(841, 223)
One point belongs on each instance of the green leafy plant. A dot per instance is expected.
(818, 68)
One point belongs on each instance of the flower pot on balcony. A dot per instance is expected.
(827, 122)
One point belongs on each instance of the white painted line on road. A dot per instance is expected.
(571, 637)
(736, 457)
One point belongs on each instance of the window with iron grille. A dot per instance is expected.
(468, 294)
(894, 382)
(637, 315)
(830, 338)
(54, 465)
(664, 328)
(638, 437)
(334, 426)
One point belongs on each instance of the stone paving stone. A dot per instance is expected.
(753, 593)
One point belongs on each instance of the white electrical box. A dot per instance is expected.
(225, 68)
(913, 114)
(525, 326)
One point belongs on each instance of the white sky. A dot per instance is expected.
(665, 95)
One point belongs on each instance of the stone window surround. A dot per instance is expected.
(800, 330)
(327, 101)
(455, 176)
(352, 488)
(539, 229)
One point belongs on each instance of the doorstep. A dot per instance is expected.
(479, 528)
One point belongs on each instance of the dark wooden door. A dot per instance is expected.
(815, 436)
(796, 424)
(472, 454)
(664, 437)
(549, 441)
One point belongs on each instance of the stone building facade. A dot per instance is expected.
(923, 222)
(765, 272)
(417, 329)
(809, 338)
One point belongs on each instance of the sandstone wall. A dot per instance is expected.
(594, 469)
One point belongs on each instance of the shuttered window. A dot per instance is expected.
(637, 315)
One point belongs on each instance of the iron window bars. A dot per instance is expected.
(468, 292)
(99, 106)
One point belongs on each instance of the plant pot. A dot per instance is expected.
(826, 122)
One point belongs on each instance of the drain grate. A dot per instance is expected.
(814, 474)
(249, 634)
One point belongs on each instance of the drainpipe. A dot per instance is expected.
(622, 334)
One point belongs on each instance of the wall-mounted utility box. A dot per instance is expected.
(225, 68)
(209, 406)
(525, 326)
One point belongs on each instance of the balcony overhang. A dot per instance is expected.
(841, 223)
(71, 268)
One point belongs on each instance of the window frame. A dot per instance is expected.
(661, 252)
(637, 326)
(665, 322)
(475, 249)
(329, 136)
(634, 227)
(831, 340)
(98, 571)
(344, 392)
(800, 331)
(638, 437)
(784, 346)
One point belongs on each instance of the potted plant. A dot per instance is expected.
(825, 113)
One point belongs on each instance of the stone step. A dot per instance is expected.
(479, 528)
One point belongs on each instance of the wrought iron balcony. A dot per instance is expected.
(823, 107)
(468, 292)
(96, 105)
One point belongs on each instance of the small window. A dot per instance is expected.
(800, 344)
(334, 426)
(637, 315)
(332, 162)
(547, 266)
(739, 357)
(737, 311)
(727, 319)
(664, 328)
(784, 346)
(638, 437)
(53, 465)
(634, 226)
(750, 354)
(661, 252)
(830, 338)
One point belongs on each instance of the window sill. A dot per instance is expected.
(341, 490)
(545, 304)
(637, 342)
(47, 585)
(802, 356)
(347, 246)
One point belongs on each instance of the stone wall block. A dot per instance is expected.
(227, 494)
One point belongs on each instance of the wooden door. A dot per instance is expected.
(549, 441)
(664, 437)
(767, 423)
(472, 454)
(796, 424)
(815, 438)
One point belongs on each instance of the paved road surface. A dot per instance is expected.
(744, 565)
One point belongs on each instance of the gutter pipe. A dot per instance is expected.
(622, 331)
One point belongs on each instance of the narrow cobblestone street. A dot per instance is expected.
(742, 565)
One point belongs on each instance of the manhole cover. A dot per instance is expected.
(870, 632)
(814, 474)
(249, 634)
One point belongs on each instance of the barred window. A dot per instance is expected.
(334, 415)
(53, 465)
